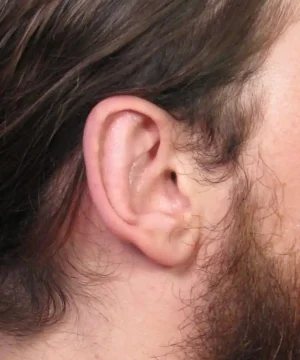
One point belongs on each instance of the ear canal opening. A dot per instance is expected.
(173, 177)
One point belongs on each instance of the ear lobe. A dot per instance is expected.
(129, 159)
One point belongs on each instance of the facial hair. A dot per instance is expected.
(251, 310)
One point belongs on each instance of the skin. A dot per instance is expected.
(153, 292)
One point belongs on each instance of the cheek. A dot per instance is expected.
(281, 147)
(276, 147)
(280, 151)
(275, 173)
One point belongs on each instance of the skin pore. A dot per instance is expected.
(224, 287)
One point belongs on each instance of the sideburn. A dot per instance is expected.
(251, 312)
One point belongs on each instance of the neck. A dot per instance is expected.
(126, 314)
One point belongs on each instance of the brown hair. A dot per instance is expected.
(59, 58)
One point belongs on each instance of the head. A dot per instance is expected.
(149, 179)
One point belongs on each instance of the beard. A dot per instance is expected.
(251, 310)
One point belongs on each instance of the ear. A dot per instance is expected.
(136, 180)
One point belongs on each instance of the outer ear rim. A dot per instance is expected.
(93, 126)
(91, 152)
